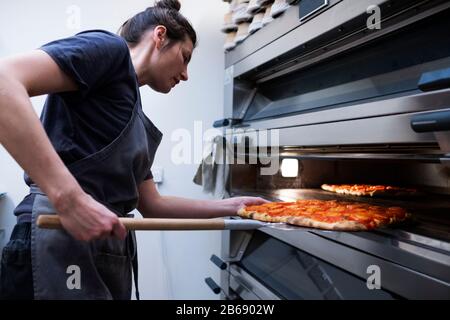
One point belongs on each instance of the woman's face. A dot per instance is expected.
(169, 65)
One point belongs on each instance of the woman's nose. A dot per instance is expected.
(184, 75)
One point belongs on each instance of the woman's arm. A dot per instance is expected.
(153, 205)
(23, 136)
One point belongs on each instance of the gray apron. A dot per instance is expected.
(64, 268)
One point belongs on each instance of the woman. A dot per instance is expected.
(90, 159)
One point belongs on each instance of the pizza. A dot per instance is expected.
(369, 190)
(326, 214)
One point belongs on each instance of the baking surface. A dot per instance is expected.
(430, 213)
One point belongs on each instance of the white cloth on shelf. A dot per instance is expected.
(278, 7)
(257, 23)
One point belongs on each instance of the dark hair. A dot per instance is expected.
(164, 12)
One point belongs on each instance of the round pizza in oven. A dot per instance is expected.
(329, 215)
(367, 190)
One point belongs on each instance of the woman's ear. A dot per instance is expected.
(159, 36)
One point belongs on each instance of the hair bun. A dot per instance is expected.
(168, 4)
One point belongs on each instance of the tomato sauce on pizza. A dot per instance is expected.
(323, 214)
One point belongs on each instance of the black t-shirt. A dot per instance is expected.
(82, 122)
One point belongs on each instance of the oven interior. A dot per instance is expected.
(430, 207)
(319, 264)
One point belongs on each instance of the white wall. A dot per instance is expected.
(173, 265)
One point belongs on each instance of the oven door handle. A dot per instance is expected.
(435, 80)
(431, 121)
(213, 285)
(218, 262)
(226, 122)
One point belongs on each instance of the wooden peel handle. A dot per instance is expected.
(53, 222)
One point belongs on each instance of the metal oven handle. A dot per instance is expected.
(431, 121)
(435, 80)
(218, 262)
(213, 285)
(437, 122)
(226, 122)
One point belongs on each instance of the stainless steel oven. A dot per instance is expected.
(351, 104)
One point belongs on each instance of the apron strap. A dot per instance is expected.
(24, 218)
(133, 253)
(135, 274)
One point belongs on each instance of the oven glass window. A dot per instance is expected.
(294, 274)
(386, 68)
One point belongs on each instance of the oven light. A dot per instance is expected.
(289, 168)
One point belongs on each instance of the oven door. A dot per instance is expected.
(271, 269)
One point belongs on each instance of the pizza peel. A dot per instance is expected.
(53, 222)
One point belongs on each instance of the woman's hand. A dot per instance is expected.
(86, 219)
(234, 204)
